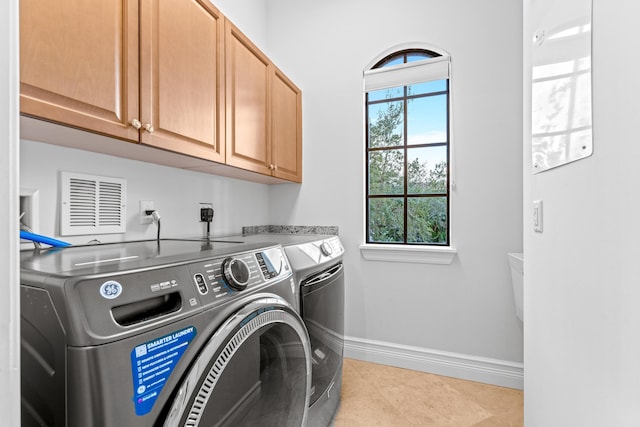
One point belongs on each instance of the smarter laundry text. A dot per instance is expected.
(153, 362)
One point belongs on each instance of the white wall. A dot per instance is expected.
(176, 193)
(249, 16)
(9, 303)
(465, 307)
(582, 352)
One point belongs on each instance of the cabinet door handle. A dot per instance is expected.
(148, 128)
(136, 123)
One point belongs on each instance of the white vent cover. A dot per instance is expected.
(92, 204)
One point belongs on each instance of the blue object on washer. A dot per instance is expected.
(42, 239)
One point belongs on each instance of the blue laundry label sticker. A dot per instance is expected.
(153, 362)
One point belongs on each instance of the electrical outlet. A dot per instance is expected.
(146, 205)
(206, 214)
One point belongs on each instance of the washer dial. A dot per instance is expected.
(326, 249)
(236, 273)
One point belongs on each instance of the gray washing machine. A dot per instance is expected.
(167, 332)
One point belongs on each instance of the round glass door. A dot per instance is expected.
(256, 370)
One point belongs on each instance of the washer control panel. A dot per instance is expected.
(218, 279)
(272, 263)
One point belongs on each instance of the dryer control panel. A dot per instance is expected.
(218, 279)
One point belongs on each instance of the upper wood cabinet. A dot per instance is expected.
(286, 128)
(264, 112)
(151, 74)
(181, 77)
(169, 74)
(247, 90)
(79, 63)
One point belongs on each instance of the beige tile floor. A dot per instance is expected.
(378, 395)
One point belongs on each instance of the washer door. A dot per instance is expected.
(255, 370)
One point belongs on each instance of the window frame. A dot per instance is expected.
(404, 75)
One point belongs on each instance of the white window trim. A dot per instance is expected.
(408, 253)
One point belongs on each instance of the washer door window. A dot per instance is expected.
(256, 370)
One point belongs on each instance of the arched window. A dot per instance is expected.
(407, 148)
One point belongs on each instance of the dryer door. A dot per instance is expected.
(255, 370)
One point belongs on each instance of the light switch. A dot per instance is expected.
(537, 216)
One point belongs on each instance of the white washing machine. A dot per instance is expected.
(167, 332)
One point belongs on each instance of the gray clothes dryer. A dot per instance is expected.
(320, 286)
(316, 261)
(167, 332)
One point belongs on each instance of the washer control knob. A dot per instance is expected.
(236, 273)
(326, 249)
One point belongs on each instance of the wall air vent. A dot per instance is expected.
(92, 204)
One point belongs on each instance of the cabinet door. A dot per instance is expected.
(181, 76)
(286, 131)
(79, 63)
(247, 93)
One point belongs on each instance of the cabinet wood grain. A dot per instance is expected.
(247, 94)
(182, 75)
(79, 63)
(286, 132)
(264, 112)
(175, 76)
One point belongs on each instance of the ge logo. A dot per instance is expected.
(111, 289)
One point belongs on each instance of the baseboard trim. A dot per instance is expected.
(481, 369)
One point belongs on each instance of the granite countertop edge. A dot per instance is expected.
(291, 229)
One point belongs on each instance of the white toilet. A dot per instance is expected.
(516, 262)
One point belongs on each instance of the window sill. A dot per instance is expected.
(401, 253)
